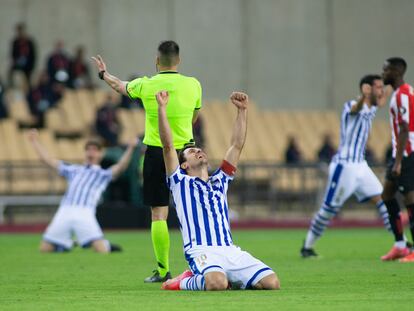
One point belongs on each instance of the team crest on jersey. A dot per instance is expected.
(403, 110)
(202, 260)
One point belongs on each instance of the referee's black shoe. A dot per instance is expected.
(308, 252)
(157, 278)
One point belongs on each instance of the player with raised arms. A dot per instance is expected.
(349, 173)
(202, 209)
(76, 213)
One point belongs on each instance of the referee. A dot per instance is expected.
(185, 101)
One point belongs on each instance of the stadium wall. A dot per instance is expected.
(286, 54)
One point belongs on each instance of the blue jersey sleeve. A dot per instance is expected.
(175, 178)
(67, 170)
(106, 175)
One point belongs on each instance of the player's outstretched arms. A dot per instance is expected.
(170, 155)
(118, 168)
(238, 138)
(33, 136)
(114, 82)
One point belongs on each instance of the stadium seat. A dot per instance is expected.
(18, 108)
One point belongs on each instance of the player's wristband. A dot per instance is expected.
(228, 168)
(101, 74)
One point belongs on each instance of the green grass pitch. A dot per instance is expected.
(349, 276)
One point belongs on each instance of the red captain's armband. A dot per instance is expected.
(228, 168)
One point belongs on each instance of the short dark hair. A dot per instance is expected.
(168, 53)
(93, 142)
(181, 156)
(369, 79)
(21, 26)
(399, 63)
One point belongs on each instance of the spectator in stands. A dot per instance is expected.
(58, 64)
(107, 124)
(3, 110)
(79, 75)
(42, 97)
(293, 153)
(327, 150)
(198, 132)
(23, 54)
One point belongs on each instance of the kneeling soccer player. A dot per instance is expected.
(201, 204)
(76, 213)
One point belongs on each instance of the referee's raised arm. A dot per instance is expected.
(184, 102)
(114, 82)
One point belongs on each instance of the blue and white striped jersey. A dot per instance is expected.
(202, 208)
(355, 130)
(85, 184)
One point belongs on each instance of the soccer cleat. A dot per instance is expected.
(396, 253)
(308, 252)
(174, 284)
(408, 258)
(115, 248)
(157, 278)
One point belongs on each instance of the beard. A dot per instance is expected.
(388, 81)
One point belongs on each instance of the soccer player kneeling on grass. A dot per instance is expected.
(201, 204)
(76, 213)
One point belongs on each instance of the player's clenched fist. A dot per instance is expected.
(162, 98)
(239, 99)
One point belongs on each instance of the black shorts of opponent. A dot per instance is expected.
(405, 181)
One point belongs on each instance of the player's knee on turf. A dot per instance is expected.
(216, 281)
(101, 246)
(46, 247)
(270, 282)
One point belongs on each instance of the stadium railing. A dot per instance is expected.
(270, 185)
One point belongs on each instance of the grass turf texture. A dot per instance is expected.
(349, 276)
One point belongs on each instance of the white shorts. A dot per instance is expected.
(346, 179)
(70, 220)
(242, 269)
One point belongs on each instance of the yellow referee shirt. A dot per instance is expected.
(185, 97)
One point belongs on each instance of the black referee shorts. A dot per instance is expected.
(405, 181)
(156, 192)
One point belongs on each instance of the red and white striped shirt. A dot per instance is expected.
(402, 111)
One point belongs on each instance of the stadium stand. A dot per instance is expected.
(71, 122)
(263, 175)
